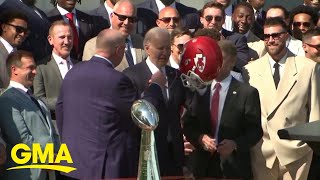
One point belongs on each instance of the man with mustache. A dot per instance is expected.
(289, 90)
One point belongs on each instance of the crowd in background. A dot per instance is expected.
(68, 76)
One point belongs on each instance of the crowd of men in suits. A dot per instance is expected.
(68, 76)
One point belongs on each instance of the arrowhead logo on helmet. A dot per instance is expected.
(200, 62)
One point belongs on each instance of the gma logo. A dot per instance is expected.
(41, 159)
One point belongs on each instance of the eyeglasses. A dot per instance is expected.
(209, 18)
(168, 19)
(316, 46)
(298, 24)
(179, 46)
(20, 29)
(131, 19)
(275, 36)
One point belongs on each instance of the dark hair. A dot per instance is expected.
(283, 9)
(8, 16)
(304, 10)
(213, 4)
(178, 32)
(14, 58)
(211, 33)
(55, 2)
(244, 4)
(310, 33)
(275, 21)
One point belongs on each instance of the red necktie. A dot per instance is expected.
(74, 31)
(215, 107)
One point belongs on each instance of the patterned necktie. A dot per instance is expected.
(74, 31)
(128, 54)
(276, 74)
(215, 107)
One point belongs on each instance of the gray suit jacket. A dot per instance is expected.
(47, 82)
(4, 77)
(21, 121)
(137, 43)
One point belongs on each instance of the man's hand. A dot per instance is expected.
(188, 147)
(159, 78)
(208, 143)
(226, 147)
(3, 154)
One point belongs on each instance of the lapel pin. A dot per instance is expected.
(234, 92)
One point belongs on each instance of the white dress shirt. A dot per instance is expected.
(160, 5)
(64, 65)
(281, 64)
(173, 63)
(20, 88)
(225, 83)
(63, 13)
(228, 24)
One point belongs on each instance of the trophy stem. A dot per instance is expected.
(148, 160)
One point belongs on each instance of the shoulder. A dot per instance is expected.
(185, 9)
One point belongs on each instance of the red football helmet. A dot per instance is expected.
(200, 62)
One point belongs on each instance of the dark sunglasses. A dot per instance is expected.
(20, 29)
(275, 36)
(168, 19)
(298, 24)
(179, 46)
(216, 18)
(131, 19)
(316, 46)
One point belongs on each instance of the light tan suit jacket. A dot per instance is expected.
(296, 101)
(137, 45)
(256, 46)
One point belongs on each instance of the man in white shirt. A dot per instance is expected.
(50, 74)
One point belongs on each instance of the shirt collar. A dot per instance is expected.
(63, 12)
(160, 5)
(96, 55)
(18, 86)
(8, 47)
(173, 63)
(228, 10)
(153, 68)
(224, 83)
(60, 60)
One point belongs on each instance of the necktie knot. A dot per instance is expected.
(29, 92)
(217, 86)
(276, 65)
(70, 16)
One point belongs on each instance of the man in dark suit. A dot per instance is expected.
(50, 74)
(93, 113)
(104, 10)
(14, 30)
(83, 25)
(148, 12)
(213, 17)
(168, 134)
(223, 124)
(38, 24)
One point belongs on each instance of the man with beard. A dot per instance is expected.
(38, 24)
(289, 90)
(148, 12)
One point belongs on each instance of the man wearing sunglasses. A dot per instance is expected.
(168, 19)
(289, 90)
(213, 17)
(123, 19)
(302, 18)
(14, 30)
(311, 44)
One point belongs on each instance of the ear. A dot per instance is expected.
(158, 22)
(304, 46)
(202, 20)
(50, 40)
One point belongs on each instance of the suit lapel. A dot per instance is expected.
(286, 83)
(172, 77)
(53, 65)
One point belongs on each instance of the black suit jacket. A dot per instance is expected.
(169, 139)
(87, 29)
(101, 17)
(148, 12)
(240, 121)
(36, 42)
(240, 41)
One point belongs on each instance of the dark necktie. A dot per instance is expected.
(74, 31)
(34, 100)
(215, 107)
(259, 19)
(276, 74)
(128, 54)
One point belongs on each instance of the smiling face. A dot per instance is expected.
(15, 32)
(122, 18)
(212, 18)
(61, 39)
(275, 41)
(25, 73)
(312, 48)
(243, 19)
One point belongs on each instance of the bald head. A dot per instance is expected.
(168, 18)
(110, 44)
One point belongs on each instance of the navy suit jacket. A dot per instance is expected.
(88, 29)
(240, 121)
(168, 135)
(240, 42)
(36, 42)
(93, 118)
(148, 12)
